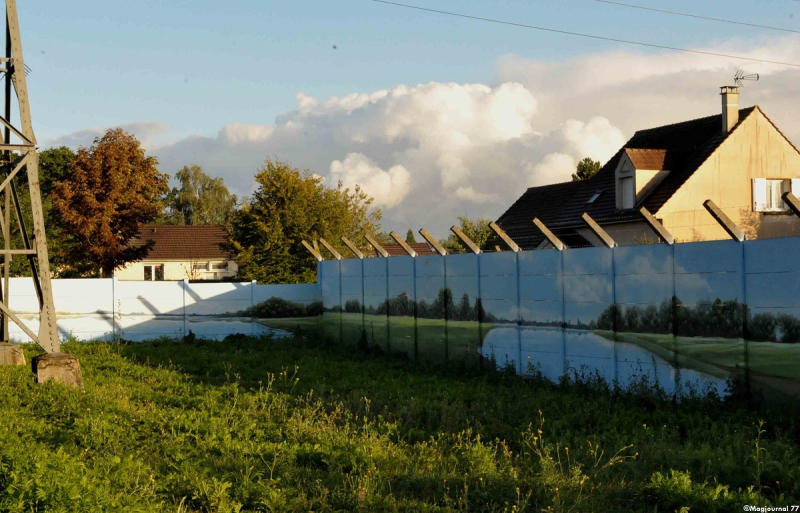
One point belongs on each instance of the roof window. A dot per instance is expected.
(594, 197)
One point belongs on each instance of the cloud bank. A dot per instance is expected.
(430, 152)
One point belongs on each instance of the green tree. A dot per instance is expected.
(55, 164)
(410, 237)
(587, 168)
(199, 200)
(289, 206)
(112, 189)
(478, 231)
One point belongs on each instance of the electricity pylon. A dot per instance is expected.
(14, 158)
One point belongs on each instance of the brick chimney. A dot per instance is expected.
(730, 107)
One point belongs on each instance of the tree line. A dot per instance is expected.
(96, 198)
(707, 318)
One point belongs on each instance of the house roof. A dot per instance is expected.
(683, 148)
(183, 242)
(422, 249)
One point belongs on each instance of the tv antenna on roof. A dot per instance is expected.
(739, 77)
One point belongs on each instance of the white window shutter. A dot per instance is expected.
(796, 187)
(759, 194)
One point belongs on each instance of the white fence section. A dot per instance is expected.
(103, 309)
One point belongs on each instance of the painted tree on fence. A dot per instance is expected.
(112, 189)
(289, 206)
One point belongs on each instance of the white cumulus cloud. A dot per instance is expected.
(388, 188)
(430, 152)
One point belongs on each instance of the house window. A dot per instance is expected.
(154, 272)
(200, 267)
(767, 194)
(594, 197)
(628, 192)
(219, 266)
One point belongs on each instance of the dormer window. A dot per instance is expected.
(638, 172)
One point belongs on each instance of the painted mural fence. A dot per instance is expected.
(690, 316)
(105, 309)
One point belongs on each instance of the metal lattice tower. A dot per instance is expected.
(16, 156)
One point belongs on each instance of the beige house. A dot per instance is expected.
(181, 252)
(739, 159)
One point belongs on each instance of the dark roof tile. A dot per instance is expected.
(183, 242)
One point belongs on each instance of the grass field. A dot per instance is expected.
(296, 425)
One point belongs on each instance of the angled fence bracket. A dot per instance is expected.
(403, 244)
(601, 234)
(313, 251)
(378, 247)
(657, 227)
(330, 248)
(433, 242)
(352, 247)
(792, 202)
(550, 236)
(724, 221)
(466, 240)
(503, 235)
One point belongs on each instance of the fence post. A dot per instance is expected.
(466, 240)
(503, 235)
(550, 236)
(792, 202)
(114, 307)
(601, 234)
(253, 305)
(185, 289)
(399, 240)
(657, 227)
(433, 242)
(724, 221)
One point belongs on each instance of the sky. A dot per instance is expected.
(434, 116)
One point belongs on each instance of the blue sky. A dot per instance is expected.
(190, 68)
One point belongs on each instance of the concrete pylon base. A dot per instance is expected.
(11, 354)
(59, 367)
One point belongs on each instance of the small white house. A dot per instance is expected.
(181, 252)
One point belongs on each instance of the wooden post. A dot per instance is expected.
(657, 227)
(550, 236)
(792, 202)
(378, 247)
(724, 221)
(466, 240)
(352, 247)
(433, 242)
(604, 237)
(313, 251)
(503, 235)
(330, 248)
(399, 240)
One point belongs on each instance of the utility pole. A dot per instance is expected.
(14, 157)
